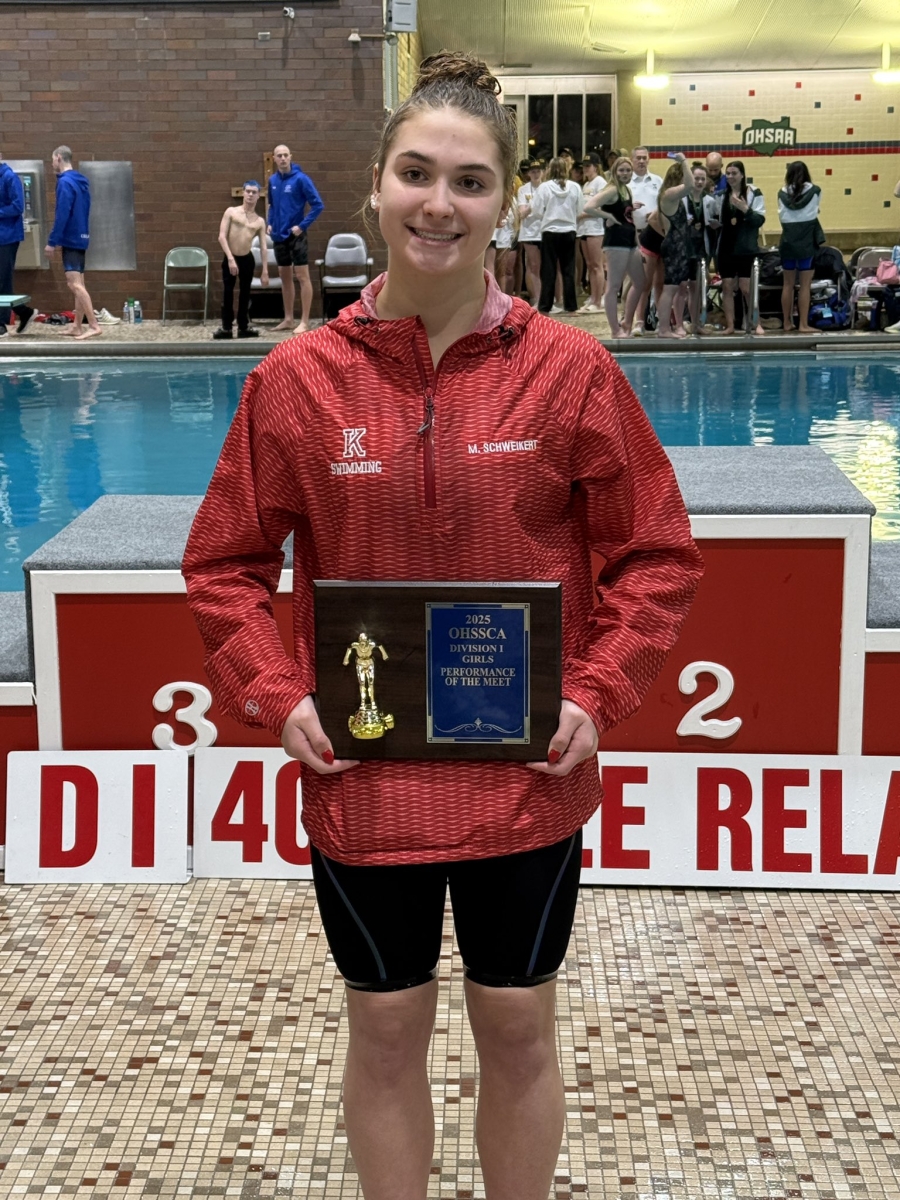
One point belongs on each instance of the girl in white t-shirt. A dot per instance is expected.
(591, 228)
(505, 262)
(530, 227)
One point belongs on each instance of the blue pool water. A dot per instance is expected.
(72, 431)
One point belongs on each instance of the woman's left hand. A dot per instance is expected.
(740, 203)
(574, 741)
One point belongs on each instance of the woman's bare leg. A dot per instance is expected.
(387, 1096)
(803, 301)
(533, 270)
(521, 1107)
(728, 304)
(787, 301)
(594, 254)
(636, 276)
(616, 266)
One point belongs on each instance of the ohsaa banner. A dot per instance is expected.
(751, 820)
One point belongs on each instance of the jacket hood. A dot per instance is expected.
(502, 320)
(75, 179)
(795, 203)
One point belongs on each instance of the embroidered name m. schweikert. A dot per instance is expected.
(364, 466)
(502, 447)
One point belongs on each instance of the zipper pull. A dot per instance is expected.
(429, 411)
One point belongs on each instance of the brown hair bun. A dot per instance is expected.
(452, 67)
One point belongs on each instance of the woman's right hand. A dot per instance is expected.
(304, 738)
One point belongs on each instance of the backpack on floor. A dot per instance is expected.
(830, 313)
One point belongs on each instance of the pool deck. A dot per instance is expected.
(181, 338)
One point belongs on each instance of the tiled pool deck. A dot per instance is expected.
(180, 337)
(189, 1041)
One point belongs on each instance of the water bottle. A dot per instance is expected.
(138, 312)
(126, 313)
(130, 310)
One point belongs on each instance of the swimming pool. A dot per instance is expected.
(71, 431)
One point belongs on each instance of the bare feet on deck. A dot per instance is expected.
(287, 323)
(301, 328)
(88, 333)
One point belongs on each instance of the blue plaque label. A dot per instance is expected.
(477, 672)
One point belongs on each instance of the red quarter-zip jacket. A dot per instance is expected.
(523, 451)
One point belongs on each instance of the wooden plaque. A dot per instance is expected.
(473, 670)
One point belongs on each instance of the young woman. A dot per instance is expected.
(698, 239)
(801, 234)
(743, 215)
(432, 360)
(530, 229)
(590, 232)
(623, 257)
(505, 262)
(675, 250)
(558, 203)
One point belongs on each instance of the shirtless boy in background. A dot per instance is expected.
(240, 225)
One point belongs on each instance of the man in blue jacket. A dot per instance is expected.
(12, 232)
(71, 233)
(294, 204)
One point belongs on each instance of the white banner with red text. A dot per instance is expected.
(667, 820)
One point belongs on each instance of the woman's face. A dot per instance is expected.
(591, 170)
(734, 177)
(699, 176)
(441, 194)
(624, 172)
(536, 176)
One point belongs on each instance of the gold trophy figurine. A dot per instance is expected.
(367, 722)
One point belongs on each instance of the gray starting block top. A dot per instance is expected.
(9, 301)
(123, 533)
(13, 638)
(764, 480)
(884, 586)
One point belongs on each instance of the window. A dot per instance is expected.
(598, 124)
(583, 122)
(540, 127)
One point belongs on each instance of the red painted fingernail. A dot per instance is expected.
(328, 756)
(553, 757)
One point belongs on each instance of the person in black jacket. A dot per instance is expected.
(801, 234)
(743, 215)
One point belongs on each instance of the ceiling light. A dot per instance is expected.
(886, 75)
(650, 79)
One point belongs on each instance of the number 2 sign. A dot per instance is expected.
(247, 815)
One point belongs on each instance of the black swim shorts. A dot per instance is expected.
(73, 259)
(513, 917)
(292, 253)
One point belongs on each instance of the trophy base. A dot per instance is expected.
(369, 723)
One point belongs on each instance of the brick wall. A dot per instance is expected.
(193, 100)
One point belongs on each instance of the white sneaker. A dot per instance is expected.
(105, 317)
(590, 308)
(892, 328)
(556, 309)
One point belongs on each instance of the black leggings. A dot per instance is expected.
(244, 277)
(7, 267)
(513, 917)
(557, 248)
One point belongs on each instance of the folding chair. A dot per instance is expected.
(186, 258)
(346, 267)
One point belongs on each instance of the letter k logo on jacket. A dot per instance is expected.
(353, 447)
